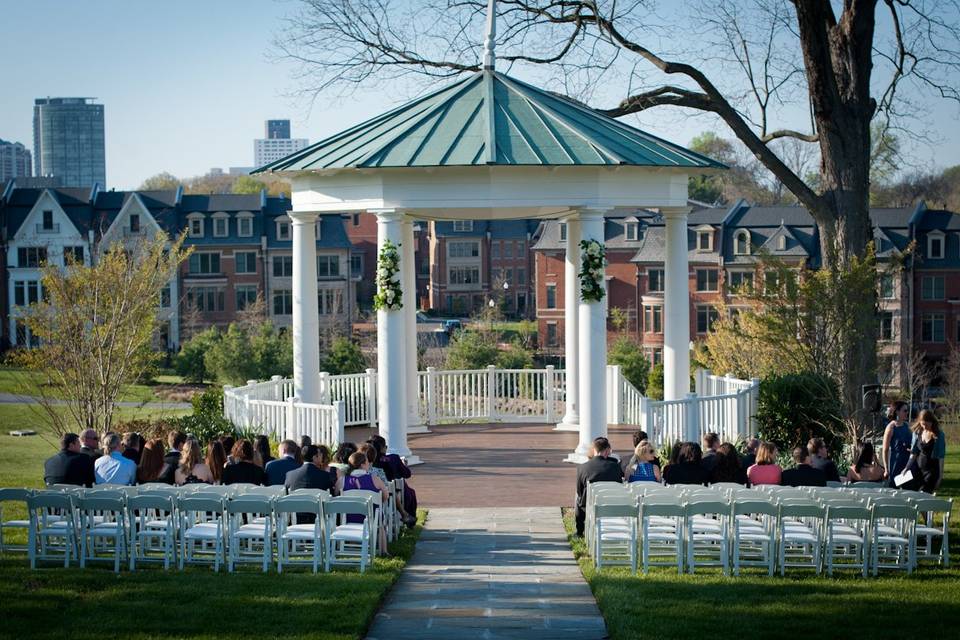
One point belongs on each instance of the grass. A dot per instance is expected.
(709, 605)
(25, 382)
(195, 604)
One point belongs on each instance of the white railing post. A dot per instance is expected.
(693, 418)
(431, 396)
(549, 382)
(277, 387)
(228, 402)
(372, 396)
(341, 422)
(754, 405)
(291, 422)
(491, 392)
(646, 420)
(324, 388)
(247, 418)
(614, 394)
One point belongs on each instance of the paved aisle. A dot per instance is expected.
(491, 573)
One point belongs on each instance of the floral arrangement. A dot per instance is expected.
(388, 296)
(593, 256)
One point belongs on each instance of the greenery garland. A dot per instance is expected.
(389, 295)
(593, 256)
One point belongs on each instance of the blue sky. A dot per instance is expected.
(187, 85)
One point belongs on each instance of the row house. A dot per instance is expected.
(935, 279)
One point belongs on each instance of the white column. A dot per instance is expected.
(306, 322)
(571, 304)
(414, 423)
(592, 342)
(676, 329)
(391, 350)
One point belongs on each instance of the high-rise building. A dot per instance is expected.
(68, 140)
(277, 129)
(14, 161)
(278, 143)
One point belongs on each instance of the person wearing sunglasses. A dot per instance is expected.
(90, 443)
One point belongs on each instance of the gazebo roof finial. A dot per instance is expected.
(489, 43)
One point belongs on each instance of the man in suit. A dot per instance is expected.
(803, 475)
(276, 470)
(176, 440)
(750, 457)
(310, 475)
(711, 442)
(70, 465)
(820, 459)
(600, 468)
(90, 443)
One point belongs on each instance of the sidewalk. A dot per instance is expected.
(491, 573)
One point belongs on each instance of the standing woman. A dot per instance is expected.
(897, 440)
(929, 450)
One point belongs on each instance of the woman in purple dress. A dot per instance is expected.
(359, 477)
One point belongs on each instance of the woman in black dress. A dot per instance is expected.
(924, 463)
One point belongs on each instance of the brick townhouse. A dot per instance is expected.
(936, 283)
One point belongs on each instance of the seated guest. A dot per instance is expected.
(113, 468)
(866, 468)
(243, 469)
(687, 469)
(171, 461)
(803, 475)
(750, 457)
(228, 441)
(131, 447)
(373, 455)
(394, 466)
(727, 468)
(820, 459)
(192, 469)
(305, 442)
(151, 462)
(342, 457)
(638, 437)
(276, 470)
(70, 465)
(216, 460)
(261, 451)
(359, 478)
(600, 468)
(711, 442)
(90, 442)
(645, 468)
(765, 470)
(312, 474)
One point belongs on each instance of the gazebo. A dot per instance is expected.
(490, 147)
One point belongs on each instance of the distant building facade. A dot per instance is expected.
(15, 161)
(276, 129)
(276, 144)
(68, 141)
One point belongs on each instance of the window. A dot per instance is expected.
(552, 338)
(932, 328)
(563, 232)
(706, 316)
(741, 243)
(495, 250)
(551, 296)
(31, 257)
(508, 249)
(521, 248)
(771, 282)
(740, 280)
(655, 280)
(706, 279)
(782, 243)
(932, 288)
(282, 302)
(653, 319)
(26, 292)
(72, 255)
(244, 226)
(705, 240)
(356, 219)
(886, 325)
(195, 225)
(205, 298)
(220, 227)
(245, 261)
(329, 301)
(935, 245)
(356, 265)
(463, 225)
(282, 266)
(283, 230)
(631, 230)
(463, 249)
(165, 297)
(48, 220)
(886, 286)
(204, 263)
(134, 223)
(508, 275)
(521, 275)
(496, 274)
(246, 296)
(464, 275)
(328, 266)
(655, 356)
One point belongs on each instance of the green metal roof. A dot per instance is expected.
(490, 119)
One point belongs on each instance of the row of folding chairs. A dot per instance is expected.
(204, 525)
(731, 526)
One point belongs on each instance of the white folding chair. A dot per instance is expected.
(152, 529)
(102, 517)
(661, 524)
(375, 499)
(300, 543)
(754, 534)
(53, 529)
(347, 543)
(930, 507)
(848, 536)
(894, 541)
(250, 523)
(11, 496)
(614, 542)
(799, 534)
(706, 532)
(201, 530)
(273, 491)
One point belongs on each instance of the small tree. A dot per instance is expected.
(190, 363)
(471, 350)
(796, 407)
(249, 352)
(655, 383)
(95, 325)
(515, 357)
(626, 352)
(344, 357)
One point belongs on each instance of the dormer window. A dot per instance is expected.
(935, 241)
(705, 240)
(245, 224)
(563, 232)
(134, 223)
(463, 225)
(782, 243)
(741, 243)
(195, 225)
(283, 228)
(631, 231)
(48, 220)
(221, 225)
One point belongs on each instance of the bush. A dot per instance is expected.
(249, 352)
(655, 383)
(471, 350)
(634, 365)
(343, 357)
(796, 407)
(515, 357)
(190, 362)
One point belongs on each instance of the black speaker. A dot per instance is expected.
(872, 397)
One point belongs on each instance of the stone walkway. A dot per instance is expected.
(491, 573)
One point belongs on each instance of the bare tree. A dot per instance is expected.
(740, 60)
(917, 373)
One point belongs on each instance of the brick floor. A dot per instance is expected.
(484, 465)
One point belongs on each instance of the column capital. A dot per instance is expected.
(303, 217)
(675, 212)
(388, 215)
(590, 213)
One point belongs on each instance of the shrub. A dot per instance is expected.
(655, 383)
(796, 407)
(190, 362)
(471, 350)
(249, 352)
(344, 357)
(515, 357)
(635, 367)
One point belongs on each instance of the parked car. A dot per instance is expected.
(449, 326)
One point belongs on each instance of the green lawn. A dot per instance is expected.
(709, 605)
(55, 603)
(25, 382)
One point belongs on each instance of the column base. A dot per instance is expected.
(417, 428)
(567, 426)
(576, 458)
